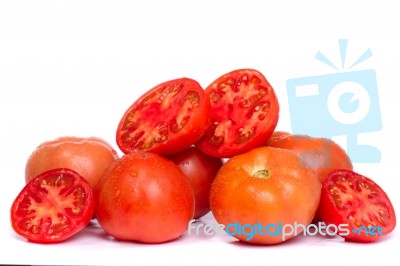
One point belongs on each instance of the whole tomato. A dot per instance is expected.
(89, 157)
(200, 169)
(146, 198)
(257, 193)
(322, 155)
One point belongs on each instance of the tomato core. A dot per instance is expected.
(262, 174)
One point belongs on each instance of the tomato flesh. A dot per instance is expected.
(166, 119)
(244, 113)
(53, 206)
(353, 199)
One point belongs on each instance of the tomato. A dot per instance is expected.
(201, 170)
(322, 155)
(53, 206)
(350, 198)
(267, 187)
(245, 112)
(89, 157)
(146, 198)
(166, 119)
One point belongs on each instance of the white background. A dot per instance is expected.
(73, 67)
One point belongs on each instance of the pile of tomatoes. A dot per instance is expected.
(189, 151)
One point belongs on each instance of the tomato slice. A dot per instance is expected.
(245, 112)
(166, 119)
(350, 198)
(53, 206)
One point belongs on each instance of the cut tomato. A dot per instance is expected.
(166, 119)
(245, 112)
(353, 199)
(53, 206)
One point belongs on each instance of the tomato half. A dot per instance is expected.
(166, 119)
(245, 112)
(146, 198)
(200, 169)
(265, 187)
(322, 155)
(53, 206)
(350, 198)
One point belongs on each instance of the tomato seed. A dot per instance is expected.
(192, 98)
(252, 100)
(147, 145)
(216, 140)
(243, 79)
(176, 126)
(226, 85)
(255, 80)
(214, 97)
(244, 136)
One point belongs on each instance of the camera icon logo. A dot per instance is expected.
(343, 103)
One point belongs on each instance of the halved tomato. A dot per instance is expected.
(350, 198)
(166, 119)
(245, 112)
(53, 206)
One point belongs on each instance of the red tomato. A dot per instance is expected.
(166, 119)
(322, 155)
(53, 206)
(266, 186)
(89, 157)
(353, 199)
(146, 198)
(201, 170)
(245, 112)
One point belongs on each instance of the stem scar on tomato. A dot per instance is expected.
(261, 174)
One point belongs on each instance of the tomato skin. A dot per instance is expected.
(54, 190)
(152, 124)
(89, 157)
(146, 198)
(348, 194)
(266, 185)
(200, 169)
(322, 155)
(245, 112)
